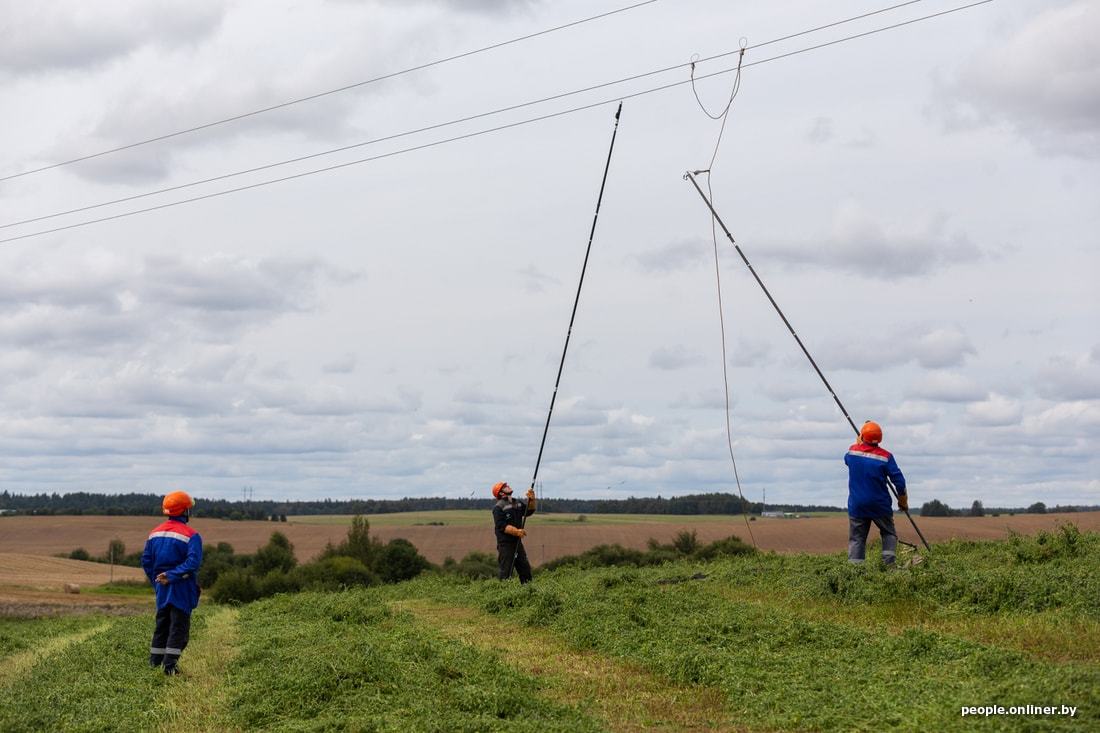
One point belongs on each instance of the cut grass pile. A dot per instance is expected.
(345, 661)
(21, 634)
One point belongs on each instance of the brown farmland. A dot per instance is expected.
(546, 540)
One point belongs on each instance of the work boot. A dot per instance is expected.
(155, 660)
(171, 665)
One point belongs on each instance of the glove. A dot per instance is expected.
(530, 495)
(903, 502)
(515, 531)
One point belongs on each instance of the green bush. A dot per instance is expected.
(475, 566)
(236, 586)
(277, 554)
(399, 560)
(79, 554)
(334, 573)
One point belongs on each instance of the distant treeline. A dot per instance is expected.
(936, 508)
(149, 504)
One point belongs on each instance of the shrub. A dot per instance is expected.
(277, 554)
(79, 554)
(475, 566)
(399, 560)
(235, 586)
(278, 581)
(685, 542)
(334, 573)
(358, 543)
(728, 547)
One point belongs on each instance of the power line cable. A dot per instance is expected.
(724, 116)
(478, 133)
(469, 118)
(318, 95)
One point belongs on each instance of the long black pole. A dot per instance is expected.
(691, 177)
(577, 299)
(569, 333)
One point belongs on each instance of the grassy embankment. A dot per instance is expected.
(761, 643)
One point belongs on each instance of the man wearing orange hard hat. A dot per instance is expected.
(869, 501)
(171, 560)
(508, 518)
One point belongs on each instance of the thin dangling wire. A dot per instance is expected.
(724, 116)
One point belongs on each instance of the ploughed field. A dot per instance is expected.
(455, 533)
(756, 642)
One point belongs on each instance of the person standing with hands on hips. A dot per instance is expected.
(508, 518)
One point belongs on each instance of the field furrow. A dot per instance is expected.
(200, 701)
(17, 665)
(623, 696)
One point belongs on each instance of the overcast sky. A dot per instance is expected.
(923, 203)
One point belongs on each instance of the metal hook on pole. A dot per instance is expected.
(690, 176)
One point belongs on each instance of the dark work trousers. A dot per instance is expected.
(170, 637)
(506, 551)
(858, 529)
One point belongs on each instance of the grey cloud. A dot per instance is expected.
(994, 411)
(821, 131)
(749, 353)
(1066, 378)
(95, 303)
(861, 246)
(1043, 82)
(931, 348)
(944, 386)
(537, 281)
(342, 365)
(486, 7)
(674, 257)
(39, 37)
(675, 357)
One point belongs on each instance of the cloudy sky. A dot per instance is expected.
(923, 203)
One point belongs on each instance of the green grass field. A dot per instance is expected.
(758, 642)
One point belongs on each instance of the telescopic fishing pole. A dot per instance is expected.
(573, 316)
(690, 176)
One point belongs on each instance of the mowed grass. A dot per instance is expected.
(482, 518)
(760, 642)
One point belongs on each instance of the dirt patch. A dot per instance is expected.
(50, 535)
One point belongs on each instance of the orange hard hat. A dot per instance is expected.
(499, 487)
(177, 503)
(871, 432)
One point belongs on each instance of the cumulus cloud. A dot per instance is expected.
(38, 37)
(1043, 82)
(674, 256)
(674, 357)
(100, 301)
(1071, 378)
(860, 245)
(930, 347)
(994, 411)
(945, 386)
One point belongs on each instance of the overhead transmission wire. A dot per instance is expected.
(329, 92)
(439, 125)
(486, 131)
(724, 116)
